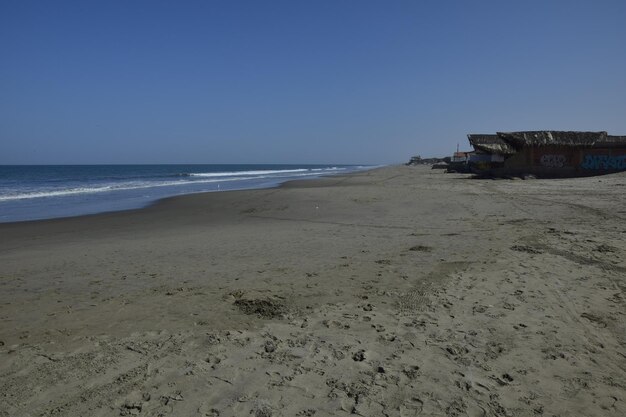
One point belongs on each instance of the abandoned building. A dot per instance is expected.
(547, 154)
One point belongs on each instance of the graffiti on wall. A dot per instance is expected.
(604, 162)
(553, 161)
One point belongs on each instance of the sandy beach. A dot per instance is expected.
(401, 291)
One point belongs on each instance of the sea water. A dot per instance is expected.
(33, 192)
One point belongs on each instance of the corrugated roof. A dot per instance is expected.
(508, 143)
(612, 141)
(490, 144)
(551, 137)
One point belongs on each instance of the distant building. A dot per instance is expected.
(461, 156)
(547, 154)
(459, 162)
(418, 160)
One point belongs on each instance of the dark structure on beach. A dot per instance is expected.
(547, 154)
(418, 160)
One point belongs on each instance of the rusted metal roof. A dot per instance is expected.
(490, 144)
(551, 137)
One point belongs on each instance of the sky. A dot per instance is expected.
(340, 81)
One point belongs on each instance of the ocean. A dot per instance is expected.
(34, 192)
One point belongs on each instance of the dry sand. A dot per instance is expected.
(400, 291)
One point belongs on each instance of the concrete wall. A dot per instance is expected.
(563, 161)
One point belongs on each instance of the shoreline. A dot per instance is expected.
(156, 201)
(397, 290)
(158, 209)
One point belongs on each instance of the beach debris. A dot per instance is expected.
(420, 248)
(526, 248)
(269, 346)
(505, 379)
(358, 356)
(456, 350)
(130, 409)
(268, 307)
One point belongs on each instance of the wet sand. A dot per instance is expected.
(400, 291)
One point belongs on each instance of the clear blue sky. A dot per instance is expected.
(299, 81)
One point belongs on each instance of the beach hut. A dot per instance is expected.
(490, 152)
(548, 153)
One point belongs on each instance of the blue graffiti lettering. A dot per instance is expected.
(604, 162)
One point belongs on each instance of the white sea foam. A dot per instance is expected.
(54, 193)
(109, 188)
(238, 173)
(196, 178)
(328, 169)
